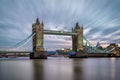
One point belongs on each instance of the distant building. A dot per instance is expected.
(98, 46)
(112, 45)
(115, 48)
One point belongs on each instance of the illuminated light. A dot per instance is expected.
(62, 49)
(71, 49)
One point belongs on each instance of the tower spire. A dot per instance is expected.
(77, 26)
(37, 21)
(42, 23)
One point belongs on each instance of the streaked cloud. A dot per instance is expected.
(100, 19)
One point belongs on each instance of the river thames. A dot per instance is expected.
(60, 68)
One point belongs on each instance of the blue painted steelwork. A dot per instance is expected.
(72, 53)
(95, 49)
(21, 43)
(24, 41)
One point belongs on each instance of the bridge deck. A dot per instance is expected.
(59, 32)
(16, 51)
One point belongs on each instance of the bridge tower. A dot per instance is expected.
(38, 38)
(77, 40)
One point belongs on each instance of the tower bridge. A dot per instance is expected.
(39, 52)
(38, 38)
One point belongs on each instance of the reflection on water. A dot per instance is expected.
(60, 68)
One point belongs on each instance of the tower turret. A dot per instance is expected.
(37, 21)
(42, 23)
(77, 26)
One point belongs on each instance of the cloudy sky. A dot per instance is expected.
(100, 19)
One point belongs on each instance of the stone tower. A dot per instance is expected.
(77, 40)
(38, 38)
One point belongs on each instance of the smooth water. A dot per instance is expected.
(60, 68)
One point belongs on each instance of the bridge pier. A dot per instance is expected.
(38, 55)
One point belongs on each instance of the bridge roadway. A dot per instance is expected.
(16, 52)
(59, 32)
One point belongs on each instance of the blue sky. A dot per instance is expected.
(100, 19)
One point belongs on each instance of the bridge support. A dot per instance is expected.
(77, 40)
(38, 38)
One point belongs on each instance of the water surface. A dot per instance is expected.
(60, 68)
